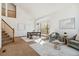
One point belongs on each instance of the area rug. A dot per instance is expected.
(47, 49)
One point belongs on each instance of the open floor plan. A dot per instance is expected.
(39, 29)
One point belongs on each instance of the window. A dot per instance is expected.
(3, 9)
(9, 10)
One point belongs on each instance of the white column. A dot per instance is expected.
(0, 28)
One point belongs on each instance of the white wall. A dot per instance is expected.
(67, 12)
(22, 19)
(62, 11)
(70, 10)
(0, 27)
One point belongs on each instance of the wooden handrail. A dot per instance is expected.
(7, 24)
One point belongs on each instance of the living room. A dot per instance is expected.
(56, 21)
(47, 18)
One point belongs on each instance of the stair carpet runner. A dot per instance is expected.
(6, 39)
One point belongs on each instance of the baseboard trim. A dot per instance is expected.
(20, 36)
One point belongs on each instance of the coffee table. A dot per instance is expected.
(57, 44)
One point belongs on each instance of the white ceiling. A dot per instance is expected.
(38, 10)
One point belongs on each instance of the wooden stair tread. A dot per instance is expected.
(5, 36)
(3, 31)
(7, 42)
(6, 39)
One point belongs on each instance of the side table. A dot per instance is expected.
(65, 39)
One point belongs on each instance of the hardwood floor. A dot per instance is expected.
(18, 48)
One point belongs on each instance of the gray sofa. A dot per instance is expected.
(73, 42)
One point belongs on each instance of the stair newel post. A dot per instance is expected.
(13, 34)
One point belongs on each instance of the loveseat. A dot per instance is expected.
(74, 42)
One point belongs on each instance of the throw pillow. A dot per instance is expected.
(77, 37)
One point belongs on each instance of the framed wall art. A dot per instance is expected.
(68, 23)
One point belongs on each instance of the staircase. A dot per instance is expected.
(6, 39)
(7, 33)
